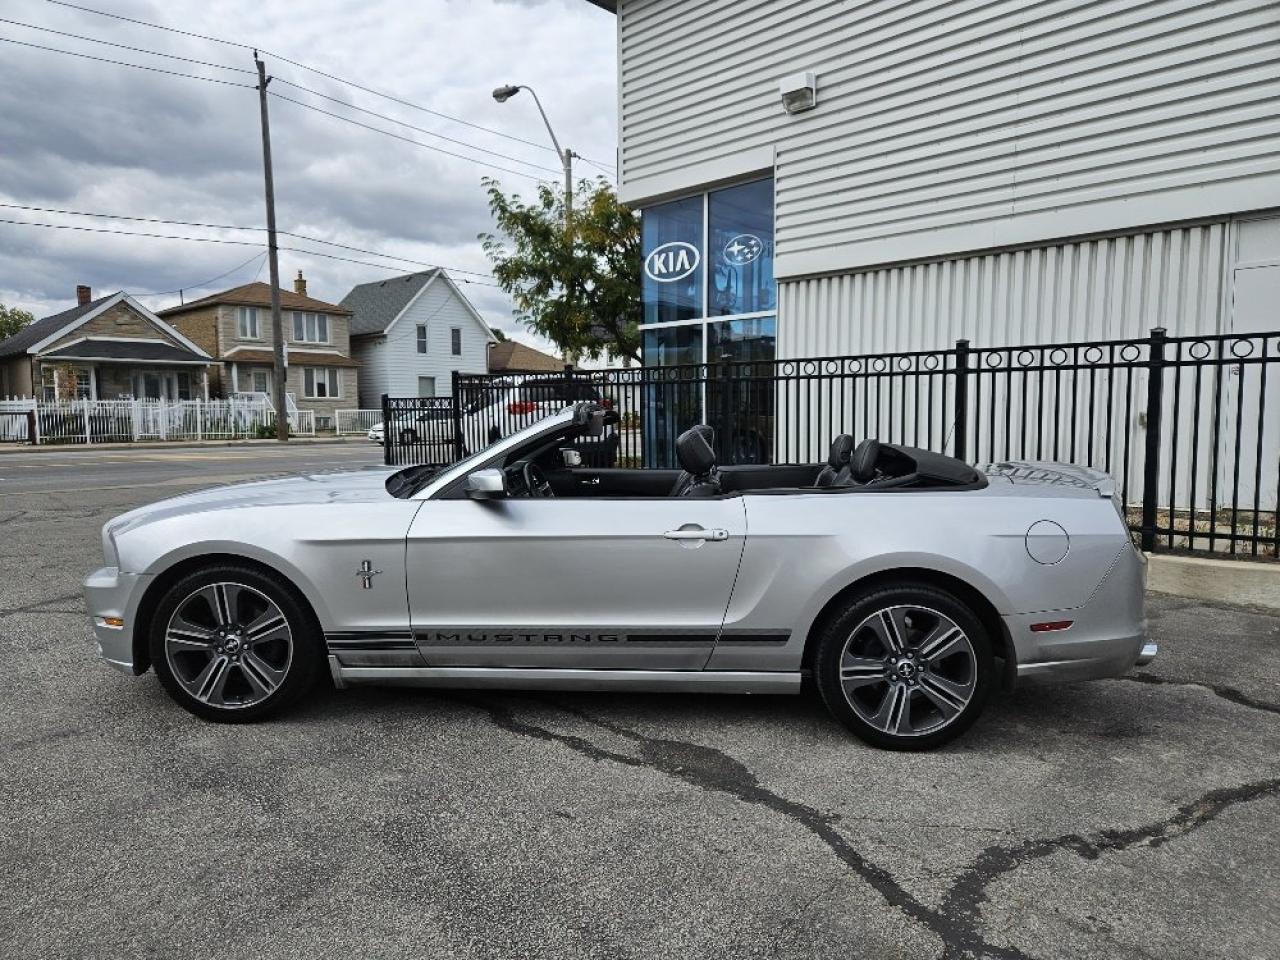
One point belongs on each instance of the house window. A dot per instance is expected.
(321, 383)
(65, 383)
(455, 341)
(422, 338)
(48, 384)
(247, 323)
(261, 382)
(426, 386)
(83, 386)
(311, 327)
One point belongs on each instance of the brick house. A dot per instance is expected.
(110, 348)
(234, 326)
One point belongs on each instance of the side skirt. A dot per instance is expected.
(514, 678)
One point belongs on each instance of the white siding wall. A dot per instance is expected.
(392, 365)
(1112, 288)
(947, 126)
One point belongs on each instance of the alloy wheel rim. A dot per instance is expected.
(908, 670)
(229, 645)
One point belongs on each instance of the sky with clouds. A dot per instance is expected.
(84, 135)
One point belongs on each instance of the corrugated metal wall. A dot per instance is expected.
(1087, 290)
(960, 125)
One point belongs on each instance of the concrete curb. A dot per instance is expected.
(1242, 582)
(181, 445)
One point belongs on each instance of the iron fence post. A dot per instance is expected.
(386, 431)
(960, 448)
(455, 396)
(1151, 461)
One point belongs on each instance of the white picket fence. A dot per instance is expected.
(359, 422)
(127, 421)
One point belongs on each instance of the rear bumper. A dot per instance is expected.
(108, 593)
(1107, 636)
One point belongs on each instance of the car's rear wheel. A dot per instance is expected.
(233, 644)
(905, 667)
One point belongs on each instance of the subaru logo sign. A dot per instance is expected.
(672, 261)
(743, 249)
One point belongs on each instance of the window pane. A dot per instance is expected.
(740, 250)
(455, 335)
(309, 382)
(672, 249)
(298, 327)
(322, 328)
(422, 338)
(671, 406)
(742, 403)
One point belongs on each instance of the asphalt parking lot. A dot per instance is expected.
(1137, 817)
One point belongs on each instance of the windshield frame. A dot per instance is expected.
(456, 471)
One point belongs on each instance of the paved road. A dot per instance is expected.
(1129, 818)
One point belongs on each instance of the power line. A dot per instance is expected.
(236, 243)
(309, 69)
(231, 226)
(123, 46)
(123, 63)
(430, 133)
(205, 283)
(396, 136)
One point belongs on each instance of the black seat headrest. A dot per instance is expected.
(695, 450)
(841, 451)
(862, 465)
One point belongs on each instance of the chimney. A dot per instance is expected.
(84, 295)
(300, 285)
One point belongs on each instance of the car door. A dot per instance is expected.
(575, 582)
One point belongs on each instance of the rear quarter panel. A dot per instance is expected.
(804, 549)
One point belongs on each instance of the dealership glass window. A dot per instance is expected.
(672, 274)
(321, 383)
(247, 323)
(740, 250)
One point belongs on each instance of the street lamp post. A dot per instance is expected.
(502, 95)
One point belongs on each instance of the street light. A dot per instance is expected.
(502, 95)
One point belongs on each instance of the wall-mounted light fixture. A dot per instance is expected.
(799, 92)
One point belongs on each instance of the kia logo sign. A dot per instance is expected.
(672, 261)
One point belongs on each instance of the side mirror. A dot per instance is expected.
(487, 485)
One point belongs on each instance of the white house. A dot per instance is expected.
(821, 178)
(410, 333)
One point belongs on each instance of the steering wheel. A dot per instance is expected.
(536, 482)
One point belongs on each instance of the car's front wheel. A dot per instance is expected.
(233, 644)
(905, 667)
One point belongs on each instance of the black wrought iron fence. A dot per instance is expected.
(1188, 426)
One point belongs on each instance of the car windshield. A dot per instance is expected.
(407, 482)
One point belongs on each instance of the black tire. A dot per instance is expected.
(938, 682)
(256, 665)
(408, 435)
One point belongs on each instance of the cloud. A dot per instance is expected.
(84, 135)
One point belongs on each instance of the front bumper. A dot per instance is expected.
(110, 594)
(1107, 636)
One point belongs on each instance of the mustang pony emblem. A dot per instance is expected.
(366, 573)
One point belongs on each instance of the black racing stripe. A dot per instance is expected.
(371, 640)
(755, 637)
(707, 638)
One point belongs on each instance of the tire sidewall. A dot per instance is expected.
(303, 666)
(831, 641)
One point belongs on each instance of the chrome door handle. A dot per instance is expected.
(698, 534)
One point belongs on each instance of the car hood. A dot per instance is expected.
(355, 486)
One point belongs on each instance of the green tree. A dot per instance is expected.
(578, 286)
(12, 320)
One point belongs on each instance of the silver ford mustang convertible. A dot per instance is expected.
(903, 585)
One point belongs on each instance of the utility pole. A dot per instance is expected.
(567, 160)
(273, 258)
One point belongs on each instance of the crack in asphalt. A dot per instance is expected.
(957, 922)
(964, 901)
(714, 770)
(1233, 694)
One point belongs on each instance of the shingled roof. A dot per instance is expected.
(256, 295)
(375, 305)
(46, 327)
